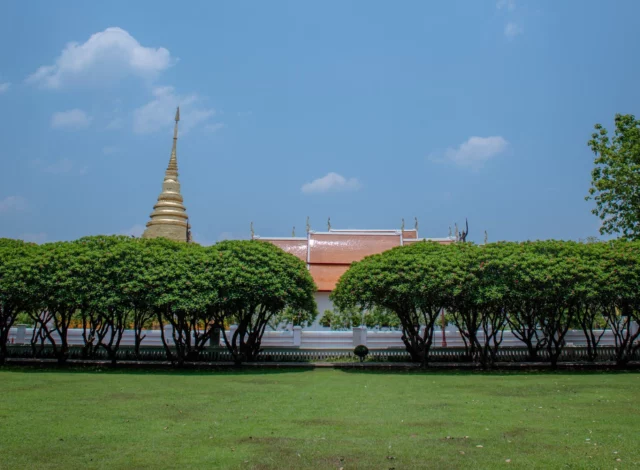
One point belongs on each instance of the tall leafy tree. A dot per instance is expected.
(181, 284)
(615, 180)
(409, 281)
(14, 298)
(58, 290)
(255, 282)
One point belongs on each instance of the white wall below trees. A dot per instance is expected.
(314, 339)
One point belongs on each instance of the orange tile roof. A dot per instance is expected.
(326, 276)
(297, 247)
(329, 254)
(345, 248)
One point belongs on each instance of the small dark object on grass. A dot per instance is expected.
(361, 351)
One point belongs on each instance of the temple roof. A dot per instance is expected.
(329, 254)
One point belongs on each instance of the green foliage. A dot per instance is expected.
(257, 283)
(537, 289)
(407, 281)
(353, 317)
(361, 351)
(14, 301)
(615, 180)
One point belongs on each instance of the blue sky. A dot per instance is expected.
(367, 112)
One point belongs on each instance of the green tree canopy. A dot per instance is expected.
(255, 283)
(408, 281)
(14, 298)
(615, 180)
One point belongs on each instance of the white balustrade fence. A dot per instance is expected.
(297, 337)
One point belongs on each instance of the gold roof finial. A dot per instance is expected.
(402, 225)
(308, 225)
(329, 224)
(252, 232)
(169, 217)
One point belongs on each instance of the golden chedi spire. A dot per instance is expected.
(169, 217)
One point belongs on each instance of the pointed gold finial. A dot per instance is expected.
(169, 217)
(416, 226)
(308, 225)
(293, 232)
(402, 225)
(329, 224)
(252, 232)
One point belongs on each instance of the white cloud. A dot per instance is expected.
(135, 231)
(4, 87)
(506, 4)
(38, 238)
(13, 203)
(107, 56)
(159, 113)
(512, 29)
(215, 127)
(72, 119)
(331, 182)
(475, 152)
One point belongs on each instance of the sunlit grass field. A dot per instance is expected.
(317, 419)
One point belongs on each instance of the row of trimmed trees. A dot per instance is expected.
(538, 290)
(106, 284)
(110, 283)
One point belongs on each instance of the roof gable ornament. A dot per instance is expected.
(293, 232)
(465, 232)
(402, 225)
(416, 226)
(308, 225)
(329, 224)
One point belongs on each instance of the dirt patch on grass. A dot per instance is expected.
(320, 422)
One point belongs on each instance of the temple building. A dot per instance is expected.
(169, 217)
(329, 254)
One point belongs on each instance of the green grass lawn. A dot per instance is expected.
(318, 419)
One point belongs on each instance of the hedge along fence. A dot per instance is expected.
(538, 290)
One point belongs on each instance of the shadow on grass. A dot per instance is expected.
(479, 372)
(195, 371)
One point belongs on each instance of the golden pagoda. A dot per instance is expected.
(169, 217)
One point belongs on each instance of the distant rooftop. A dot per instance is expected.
(329, 254)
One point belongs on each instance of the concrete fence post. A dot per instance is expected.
(232, 330)
(297, 336)
(168, 334)
(215, 338)
(360, 335)
(21, 334)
